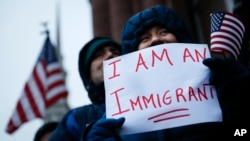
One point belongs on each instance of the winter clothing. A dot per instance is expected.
(85, 57)
(76, 120)
(229, 78)
(99, 132)
(43, 130)
(158, 15)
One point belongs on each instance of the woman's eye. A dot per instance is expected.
(144, 38)
(163, 32)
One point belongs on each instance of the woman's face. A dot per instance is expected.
(155, 36)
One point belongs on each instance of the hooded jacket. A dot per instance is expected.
(132, 30)
(229, 77)
(76, 120)
(157, 15)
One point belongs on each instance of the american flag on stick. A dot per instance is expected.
(45, 87)
(227, 32)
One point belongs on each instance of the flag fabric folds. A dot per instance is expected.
(227, 31)
(45, 86)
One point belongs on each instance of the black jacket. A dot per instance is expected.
(76, 121)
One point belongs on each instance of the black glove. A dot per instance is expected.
(221, 69)
(105, 130)
(231, 80)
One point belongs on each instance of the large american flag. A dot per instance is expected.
(45, 86)
(227, 33)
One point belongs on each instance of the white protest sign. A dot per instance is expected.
(160, 87)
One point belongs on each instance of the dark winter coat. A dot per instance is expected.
(232, 86)
(76, 120)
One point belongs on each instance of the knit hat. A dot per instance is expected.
(85, 58)
(157, 15)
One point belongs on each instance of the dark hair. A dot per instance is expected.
(44, 129)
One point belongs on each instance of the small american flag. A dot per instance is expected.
(45, 87)
(227, 33)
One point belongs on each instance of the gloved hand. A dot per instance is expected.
(105, 130)
(220, 68)
(231, 80)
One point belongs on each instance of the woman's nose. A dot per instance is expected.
(156, 40)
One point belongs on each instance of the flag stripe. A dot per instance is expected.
(226, 33)
(220, 48)
(37, 82)
(34, 112)
(216, 36)
(228, 43)
(39, 100)
(54, 92)
(20, 111)
(29, 114)
(52, 100)
(236, 22)
(45, 86)
(40, 69)
(231, 32)
(234, 26)
(38, 90)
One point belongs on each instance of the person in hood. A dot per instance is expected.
(44, 132)
(90, 67)
(160, 25)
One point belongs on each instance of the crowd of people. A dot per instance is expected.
(161, 25)
(148, 28)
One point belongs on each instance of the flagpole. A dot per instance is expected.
(56, 111)
(58, 27)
